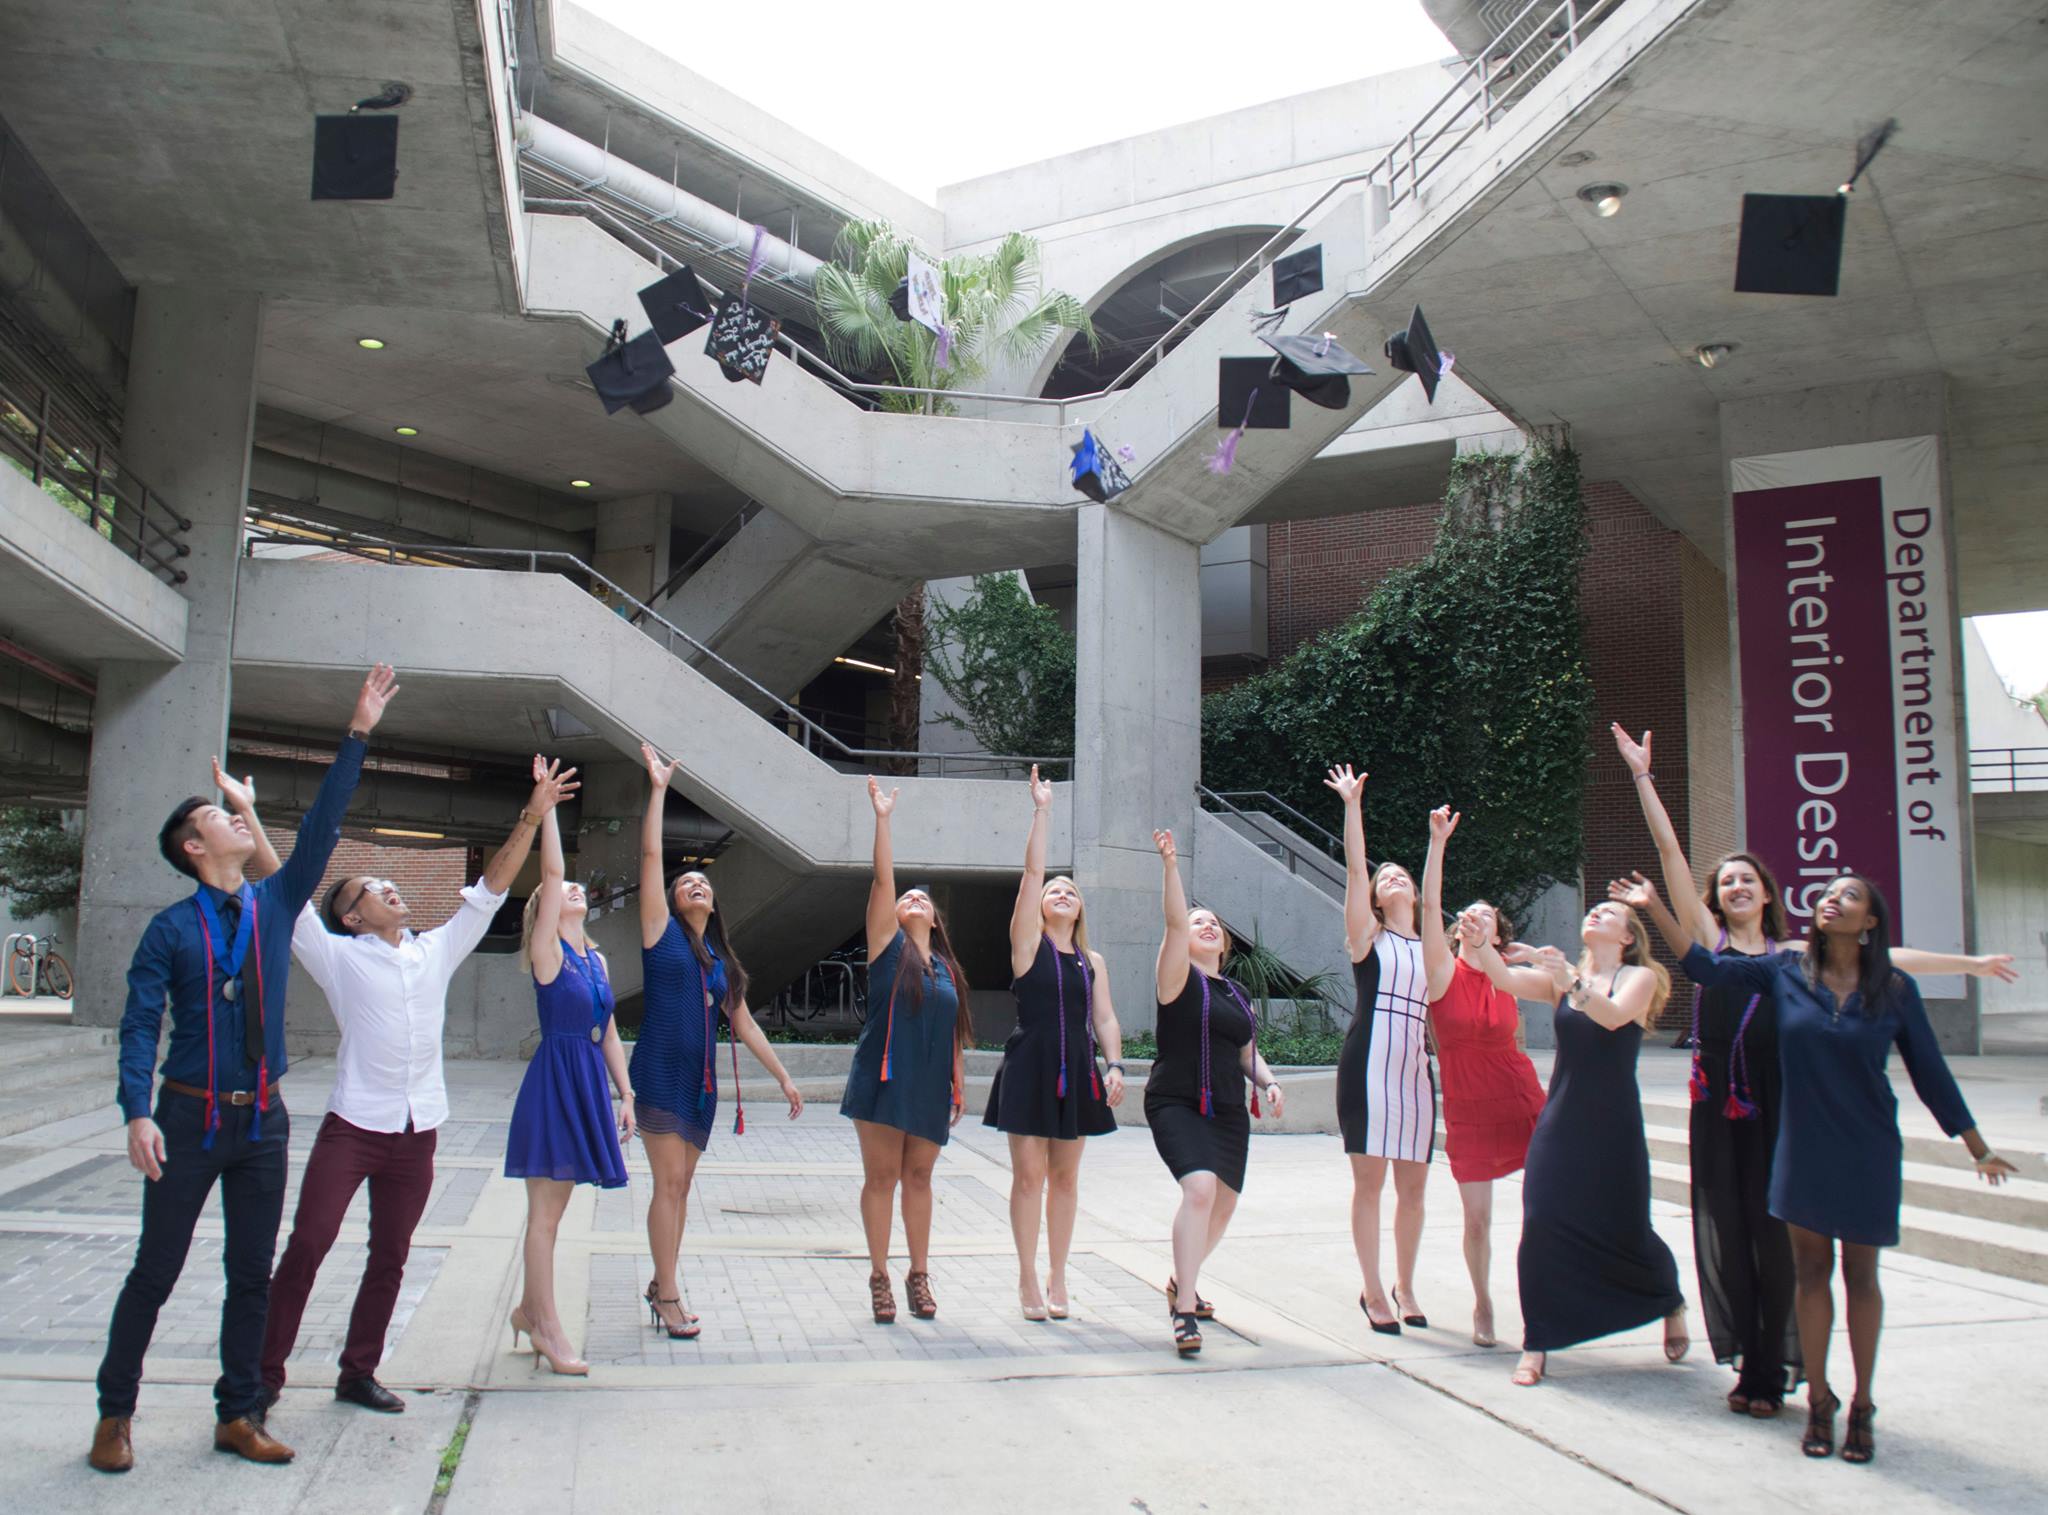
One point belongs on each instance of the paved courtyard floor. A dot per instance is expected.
(792, 1399)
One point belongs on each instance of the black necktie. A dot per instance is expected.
(252, 1010)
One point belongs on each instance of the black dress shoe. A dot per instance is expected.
(370, 1394)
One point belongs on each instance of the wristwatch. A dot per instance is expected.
(1112, 1067)
(356, 733)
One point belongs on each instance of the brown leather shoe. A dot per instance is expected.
(112, 1451)
(246, 1439)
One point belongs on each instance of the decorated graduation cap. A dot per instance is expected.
(676, 305)
(1298, 275)
(1315, 366)
(1792, 244)
(355, 157)
(742, 339)
(632, 373)
(1415, 351)
(1095, 473)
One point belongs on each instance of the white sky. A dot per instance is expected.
(927, 94)
(2018, 645)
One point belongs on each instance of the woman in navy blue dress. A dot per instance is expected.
(1048, 1096)
(690, 977)
(903, 1092)
(1836, 1175)
(562, 1131)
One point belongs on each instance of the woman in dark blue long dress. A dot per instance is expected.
(1836, 1175)
(562, 1132)
(1048, 1097)
(1590, 1264)
(690, 978)
(903, 1092)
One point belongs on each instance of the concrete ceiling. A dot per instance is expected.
(1560, 316)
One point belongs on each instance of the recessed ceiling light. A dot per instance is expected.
(374, 344)
(407, 431)
(1711, 354)
(1604, 198)
(579, 483)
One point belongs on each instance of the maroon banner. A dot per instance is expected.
(1818, 757)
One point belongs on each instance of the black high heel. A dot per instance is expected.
(1859, 1445)
(1187, 1333)
(1203, 1310)
(1385, 1328)
(1819, 1440)
(1414, 1318)
(689, 1330)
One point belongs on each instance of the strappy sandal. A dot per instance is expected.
(922, 1302)
(1765, 1406)
(1187, 1333)
(1203, 1310)
(1527, 1377)
(1739, 1401)
(1819, 1440)
(1675, 1347)
(1859, 1445)
(882, 1298)
(649, 1297)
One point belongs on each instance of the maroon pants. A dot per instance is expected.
(400, 1168)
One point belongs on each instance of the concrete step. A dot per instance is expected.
(31, 1042)
(49, 1072)
(1934, 1151)
(77, 1093)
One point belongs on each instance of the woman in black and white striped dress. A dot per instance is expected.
(1386, 1091)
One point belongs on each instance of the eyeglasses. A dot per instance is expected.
(379, 884)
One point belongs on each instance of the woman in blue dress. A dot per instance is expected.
(562, 1131)
(903, 1092)
(1836, 1175)
(690, 978)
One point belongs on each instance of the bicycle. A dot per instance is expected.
(37, 967)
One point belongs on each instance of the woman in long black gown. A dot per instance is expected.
(1590, 1264)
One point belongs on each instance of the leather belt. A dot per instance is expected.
(225, 1096)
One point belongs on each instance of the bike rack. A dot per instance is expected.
(7, 961)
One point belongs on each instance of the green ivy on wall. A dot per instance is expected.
(1006, 663)
(1461, 681)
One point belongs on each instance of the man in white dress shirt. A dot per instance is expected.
(388, 988)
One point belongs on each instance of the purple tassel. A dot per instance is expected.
(1696, 1085)
(945, 352)
(754, 258)
(1061, 1090)
(1444, 367)
(1739, 1108)
(1225, 458)
(1128, 453)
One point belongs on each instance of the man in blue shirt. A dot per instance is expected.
(220, 959)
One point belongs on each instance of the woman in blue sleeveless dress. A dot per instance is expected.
(562, 1131)
(690, 977)
(1048, 1096)
(1590, 1263)
(903, 1092)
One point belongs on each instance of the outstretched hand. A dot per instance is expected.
(1349, 785)
(1635, 891)
(1996, 965)
(1635, 754)
(1442, 822)
(552, 783)
(1163, 840)
(883, 803)
(241, 797)
(657, 771)
(1041, 790)
(378, 687)
(1471, 931)
(1546, 960)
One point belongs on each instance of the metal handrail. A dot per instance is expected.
(412, 555)
(1332, 843)
(1578, 16)
(1223, 802)
(1988, 765)
(703, 554)
(33, 426)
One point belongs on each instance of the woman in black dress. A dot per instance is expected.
(1048, 1096)
(1195, 1108)
(1589, 1263)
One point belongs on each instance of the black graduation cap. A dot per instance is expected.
(1297, 275)
(355, 157)
(634, 373)
(1248, 395)
(742, 339)
(1790, 244)
(1414, 351)
(1095, 473)
(1314, 367)
(899, 300)
(677, 305)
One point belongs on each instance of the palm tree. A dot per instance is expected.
(995, 310)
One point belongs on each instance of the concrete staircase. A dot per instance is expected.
(1949, 1214)
(51, 1071)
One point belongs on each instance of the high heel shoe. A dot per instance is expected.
(1412, 1316)
(923, 1303)
(518, 1323)
(1859, 1445)
(882, 1299)
(1819, 1440)
(1482, 1336)
(568, 1367)
(1203, 1310)
(688, 1315)
(1187, 1333)
(1528, 1374)
(1383, 1327)
(688, 1330)
(1055, 1309)
(1675, 1347)
(1031, 1312)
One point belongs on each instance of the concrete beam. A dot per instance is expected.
(71, 594)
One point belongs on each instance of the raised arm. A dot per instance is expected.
(1638, 893)
(240, 799)
(1526, 978)
(321, 828)
(1027, 920)
(1679, 883)
(654, 916)
(544, 947)
(882, 888)
(1629, 1004)
(1436, 950)
(1361, 926)
(1734, 969)
(1920, 964)
(1109, 1034)
(1171, 974)
(552, 783)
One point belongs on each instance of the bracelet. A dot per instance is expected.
(1112, 1067)
(528, 817)
(1650, 776)
(1988, 1157)
(357, 734)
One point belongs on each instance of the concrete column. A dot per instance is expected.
(1845, 415)
(191, 413)
(632, 543)
(1137, 736)
(606, 859)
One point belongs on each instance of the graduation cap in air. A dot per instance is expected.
(1792, 244)
(1095, 473)
(1414, 351)
(355, 157)
(742, 338)
(1315, 366)
(632, 373)
(1298, 275)
(677, 305)
(899, 299)
(1248, 396)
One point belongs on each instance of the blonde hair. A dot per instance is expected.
(526, 925)
(1080, 910)
(1635, 952)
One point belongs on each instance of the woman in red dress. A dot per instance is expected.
(1491, 1093)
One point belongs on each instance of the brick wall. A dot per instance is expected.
(1649, 637)
(431, 879)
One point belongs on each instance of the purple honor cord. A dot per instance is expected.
(1208, 1086)
(1059, 983)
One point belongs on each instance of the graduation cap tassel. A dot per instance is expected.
(943, 357)
(1872, 144)
(1226, 450)
(754, 260)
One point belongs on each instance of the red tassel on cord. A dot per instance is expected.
(1060, 1088)
(1696, 1085)
(1205, 1102)
(1738, 1108)
(739, 1105)
(1094, 1079)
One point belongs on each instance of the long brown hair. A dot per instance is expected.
(1636, 953)
(713, 940)
(1773, 922)
(1372, 893)
(908, 985)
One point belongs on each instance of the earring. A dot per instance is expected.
(1863, 937)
